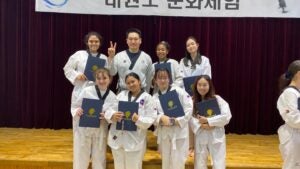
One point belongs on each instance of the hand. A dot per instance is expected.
(117, 116)
(81, 77)
(79, 112)
(135, 117)
(101, 117)
(206, 126)
(191, 152)
(165, 120)
(202, 119)
(111, 51)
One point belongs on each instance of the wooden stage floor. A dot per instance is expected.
(52, 149)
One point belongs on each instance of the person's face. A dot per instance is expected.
(133, 84)
(102, 81)
(134, 41)
(162, 80)
(161, 52)
(192, 46)
(202, 87)
(93, 44)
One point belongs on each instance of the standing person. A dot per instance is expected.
(74, 68)
(90, 143)
(128, 147)
(162, 51)
(172, 133)
(194, 64)
(133, 59)
(209, 131)
(288, 105)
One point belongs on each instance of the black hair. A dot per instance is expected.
(166, 45)
(133, 30)
(188, 57)
(286, 78)
(162, 70)
(133, 74)
(88, 35)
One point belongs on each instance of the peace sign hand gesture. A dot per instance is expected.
(112, 50)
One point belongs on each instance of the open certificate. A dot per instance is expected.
(128, 108)
(92, 64)
(91, 109)
(208, 108)
(171, 105)
(188, 83)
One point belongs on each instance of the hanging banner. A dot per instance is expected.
(190, 8)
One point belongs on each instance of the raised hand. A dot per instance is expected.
(111, 51)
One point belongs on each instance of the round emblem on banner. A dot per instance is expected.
(55, 3)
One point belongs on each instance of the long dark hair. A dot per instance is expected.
(92, 33)
(188, 57)
(286, 78)
(209, 95)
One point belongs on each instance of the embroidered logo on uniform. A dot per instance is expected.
(142, 102)
(124, 61)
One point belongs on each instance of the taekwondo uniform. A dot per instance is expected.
(75, 66)
(129, 147)
(204, 68)
(289, 133)
(91, 142)
(211, 141)
(173, 140)
(143, 66)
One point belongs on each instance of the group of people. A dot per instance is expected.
(137, 74)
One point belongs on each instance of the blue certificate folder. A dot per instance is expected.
(163, 66)
(128, 108)
(189, 84)
(91, 109)
(92, 64)
(208, 108)
(171, 105)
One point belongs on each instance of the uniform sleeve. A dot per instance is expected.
(225, 116)
(187, 104)
(112, 104)
(178, 74)
(149, 75)
(288, 108)
(194, 124)
(158, 108)
(70, 68)
(146, 120)
(114, 65)
(107, 63)
(207, 68)
(78, 103)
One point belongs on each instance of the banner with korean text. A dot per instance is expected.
(190, 8)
